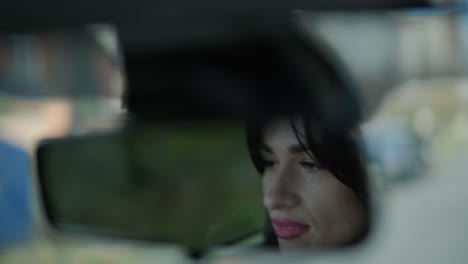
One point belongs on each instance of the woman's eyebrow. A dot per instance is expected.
(296, 149)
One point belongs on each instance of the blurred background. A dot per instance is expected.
(410, 68)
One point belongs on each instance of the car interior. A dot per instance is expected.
(126, 129)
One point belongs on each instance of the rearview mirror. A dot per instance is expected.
(180, 174)
(181, 182)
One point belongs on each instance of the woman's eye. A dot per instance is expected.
(268, 163)
(310, 165)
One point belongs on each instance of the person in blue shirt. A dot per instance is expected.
(15, 208)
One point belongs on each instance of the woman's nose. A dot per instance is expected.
(280, 190)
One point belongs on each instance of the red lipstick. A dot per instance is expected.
(287, 228)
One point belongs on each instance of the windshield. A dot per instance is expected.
(408, 73)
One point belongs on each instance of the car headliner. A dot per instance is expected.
(135, 20)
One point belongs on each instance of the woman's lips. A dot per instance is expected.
(287, 228)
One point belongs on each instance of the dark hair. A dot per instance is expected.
(321, 96)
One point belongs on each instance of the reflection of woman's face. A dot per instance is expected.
(308, 206)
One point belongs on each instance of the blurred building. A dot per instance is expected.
(383, 51)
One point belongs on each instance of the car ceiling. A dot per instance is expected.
(170, 19)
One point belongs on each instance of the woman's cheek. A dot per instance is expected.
(325, 201)
(348, 215)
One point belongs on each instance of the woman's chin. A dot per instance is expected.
(295, 245)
